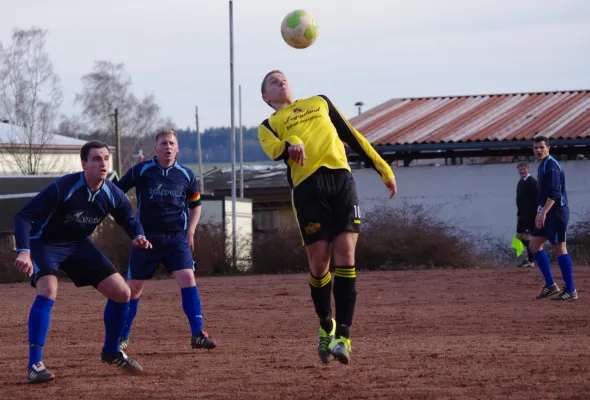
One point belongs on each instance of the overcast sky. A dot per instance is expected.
(368, 50)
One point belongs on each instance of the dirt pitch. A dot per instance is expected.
(451, 334)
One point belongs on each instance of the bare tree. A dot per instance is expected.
(72, 126)
(107, 87)
(30, 96)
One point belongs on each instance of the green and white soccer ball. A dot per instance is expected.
(299, 29)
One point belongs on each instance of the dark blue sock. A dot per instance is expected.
(567, 271)
(130, 318)
(115, 318)
(191, 304)
(39, 319)
(545, 266)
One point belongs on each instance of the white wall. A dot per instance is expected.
(54, 163)
(243, 231)
(219, 211)
(478, 198)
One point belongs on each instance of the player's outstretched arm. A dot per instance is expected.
(125, 218)
(362, 147)
(39, 208)
(127, 181)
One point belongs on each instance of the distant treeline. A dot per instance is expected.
(216, 145)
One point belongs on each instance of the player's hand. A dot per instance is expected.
(297, 153)
(540, 220)
(191, 241)
(141, 242)
(23, 262)
(392, 186)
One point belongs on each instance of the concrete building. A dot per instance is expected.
(55, 154)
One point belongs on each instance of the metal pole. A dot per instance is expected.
(233, 135)
(118, 143)
(241, 144)
(201, 180)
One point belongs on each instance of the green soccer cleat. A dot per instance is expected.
(324, 340)
(341, 349)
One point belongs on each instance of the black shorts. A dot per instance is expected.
(326, 204)
(525, 224)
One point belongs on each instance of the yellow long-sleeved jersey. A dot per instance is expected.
(317, 124)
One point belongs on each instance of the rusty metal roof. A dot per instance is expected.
(462, 119)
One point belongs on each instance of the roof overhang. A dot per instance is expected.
(474, 149)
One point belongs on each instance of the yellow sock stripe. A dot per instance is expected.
(353, 276)
(315, 282)
(345, 272)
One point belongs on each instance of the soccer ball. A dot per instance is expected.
(299, 29)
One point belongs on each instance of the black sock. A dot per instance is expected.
(321, 292)
(345, 298)
(529, 253)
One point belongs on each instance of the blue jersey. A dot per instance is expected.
(164, 195)
(551, 183)
(68, 211)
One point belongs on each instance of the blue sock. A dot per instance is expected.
(191, 304)
(130, 318)
(544, 264)
(115, 318)
(39, 319)
(567, 271)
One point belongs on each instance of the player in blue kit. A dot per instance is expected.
(169, 208)
(51, 232)
(551, 224)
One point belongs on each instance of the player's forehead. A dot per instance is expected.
(167, 138)
(276, 77)
(98, 152)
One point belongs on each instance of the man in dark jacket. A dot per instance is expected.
(526, 205)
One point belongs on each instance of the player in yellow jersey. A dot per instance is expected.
(308, 135)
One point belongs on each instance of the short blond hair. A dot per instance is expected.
(164, 132)
(263, 86)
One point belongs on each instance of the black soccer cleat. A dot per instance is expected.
(566, 295)
(122, 360)
(202, 341)
(548, 291)
(39, 374)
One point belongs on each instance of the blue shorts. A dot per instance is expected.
(84, 264)
(171, 249)
(555, 229)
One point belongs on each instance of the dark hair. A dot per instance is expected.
(95, 144)
(263, 86)
(522, 165)
(539, 139)
(164, 132)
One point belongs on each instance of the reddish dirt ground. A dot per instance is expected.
(450, 334)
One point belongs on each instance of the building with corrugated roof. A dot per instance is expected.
(477, 126)
(479, 199)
